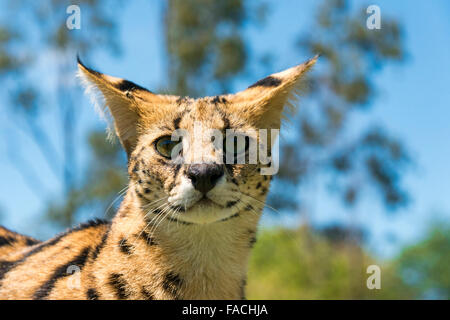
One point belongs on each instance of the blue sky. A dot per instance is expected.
(412, 102)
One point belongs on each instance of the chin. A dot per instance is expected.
(205, 211)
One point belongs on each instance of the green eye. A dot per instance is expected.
(165, 146)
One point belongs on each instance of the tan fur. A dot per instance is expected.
(153, 248)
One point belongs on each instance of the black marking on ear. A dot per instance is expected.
(172, 283)
(31, 242)
(231, 203)
(92, 294)
(129, 86)
(147, 294)
(119, 284)
(124, 246)
(7, 241)
(61, 272)
(87, 68)
(267, 82)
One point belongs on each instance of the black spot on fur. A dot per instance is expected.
(147, 294)
(61, 272)
(148, 239)
(176, 122)
(140, 195)
(231, 217)
(179, 221)
(176, 169)
(219, 99)
(92, 294)
(181, 100)
(5, 266)
(7, 241)
(49, 243)
(146, 190)
(119, 284)
(252, 241)
(231, 203)
(179, 208)
(100, 246)
(267, 82)
(243, 284)
(172, 283)
(258, 185)
(124, 246)
(249, 208)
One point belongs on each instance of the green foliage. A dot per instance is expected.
(424, 267)
(306, 264)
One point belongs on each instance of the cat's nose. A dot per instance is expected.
(204, 176)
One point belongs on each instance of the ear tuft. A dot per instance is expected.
(115, 95)
(264, 101)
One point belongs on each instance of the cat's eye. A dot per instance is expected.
(166, 147)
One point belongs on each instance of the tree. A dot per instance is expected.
(32, 33)
(351, 55)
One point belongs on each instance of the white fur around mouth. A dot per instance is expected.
(204, 211)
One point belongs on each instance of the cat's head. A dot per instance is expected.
(185, 155)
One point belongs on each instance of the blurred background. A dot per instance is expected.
(365, 174)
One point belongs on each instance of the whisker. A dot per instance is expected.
(119, 195)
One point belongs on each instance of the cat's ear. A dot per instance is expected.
(264, 101)
(121, 98)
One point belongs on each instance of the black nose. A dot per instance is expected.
(204, 176)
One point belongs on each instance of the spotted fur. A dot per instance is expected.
(167, 240)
